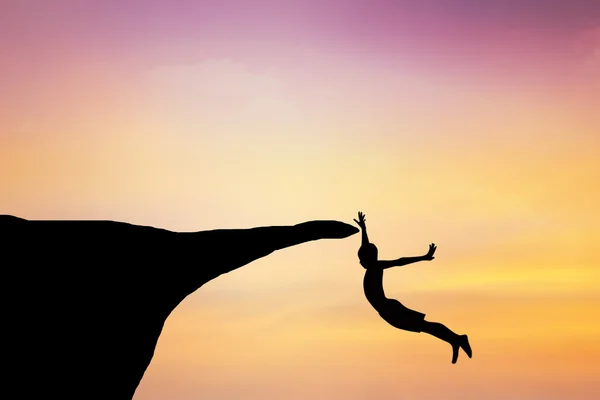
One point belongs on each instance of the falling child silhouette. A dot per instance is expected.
(391, 310)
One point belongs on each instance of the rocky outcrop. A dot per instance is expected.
(85, 301)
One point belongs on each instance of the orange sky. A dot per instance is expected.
(485, 145)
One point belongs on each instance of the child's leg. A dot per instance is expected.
(442, 332)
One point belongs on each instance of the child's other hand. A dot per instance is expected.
(429, 256)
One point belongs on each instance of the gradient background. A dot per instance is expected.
(471, 124)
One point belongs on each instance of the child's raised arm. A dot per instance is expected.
(362, 224)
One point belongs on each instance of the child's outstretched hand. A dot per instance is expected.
(361, 220)
(429, 256)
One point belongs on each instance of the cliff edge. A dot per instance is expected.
(85, 301)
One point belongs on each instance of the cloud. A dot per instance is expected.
(216, 88)
(234, 96)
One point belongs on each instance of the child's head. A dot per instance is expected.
(367, 254)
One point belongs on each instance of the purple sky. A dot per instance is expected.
(356, 24)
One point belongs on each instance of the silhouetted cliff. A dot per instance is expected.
(85, 301)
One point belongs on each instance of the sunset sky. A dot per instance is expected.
(469, 123)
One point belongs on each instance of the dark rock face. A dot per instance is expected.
(85, 301)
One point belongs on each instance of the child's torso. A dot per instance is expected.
(373, 286)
